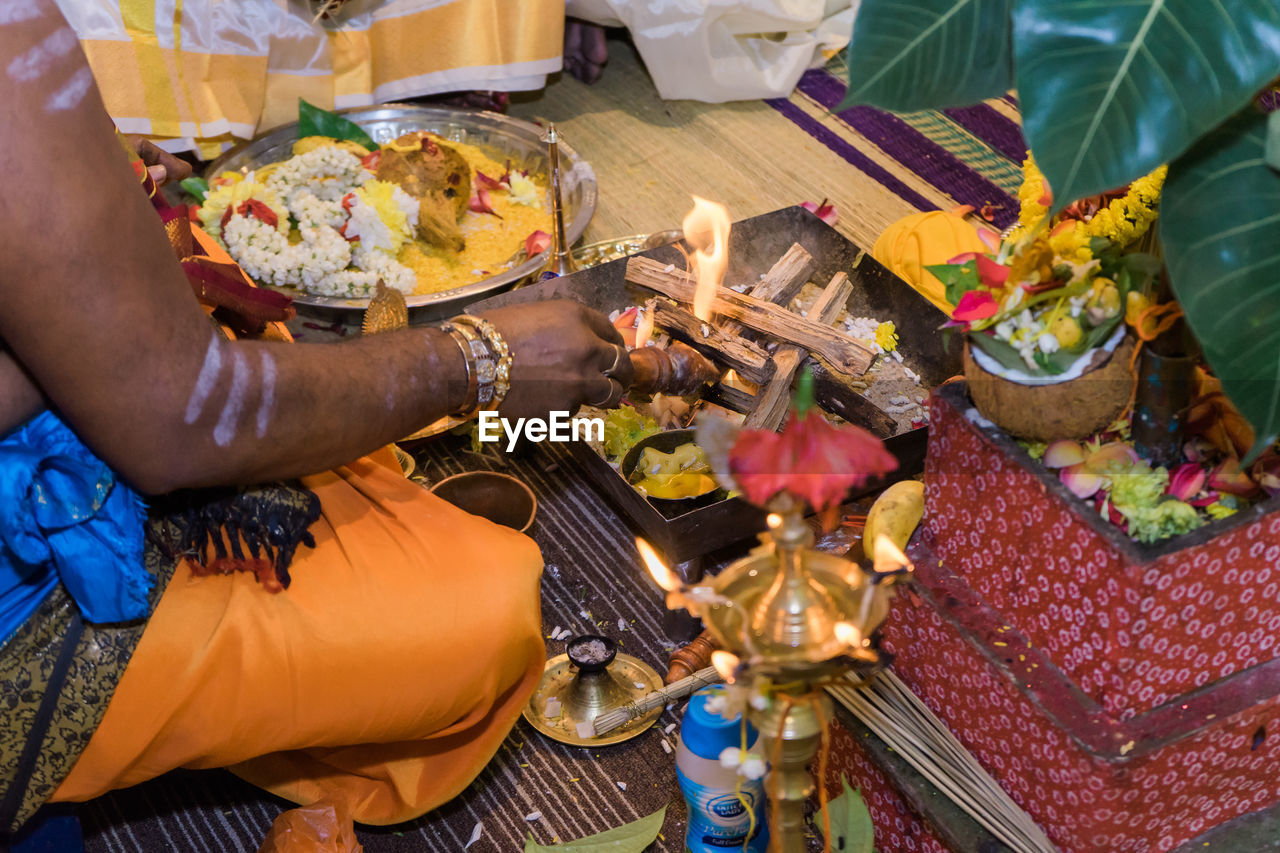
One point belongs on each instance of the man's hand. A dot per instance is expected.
(560, 351)
(161, 165)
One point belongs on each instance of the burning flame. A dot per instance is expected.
(726, 663)
(888, 557)
(644, 328)
(663, 576)
(848, 633)
(706, 229)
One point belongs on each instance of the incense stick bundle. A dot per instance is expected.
(898, 717)
(610, 720)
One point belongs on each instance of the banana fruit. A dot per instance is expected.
(896, 514)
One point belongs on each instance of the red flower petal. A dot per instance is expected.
(825, 212)
(810, 458)
(537, 243)
(485, 182)
(991, 273)
(1186, 481)
(481, 203)
(975, 305)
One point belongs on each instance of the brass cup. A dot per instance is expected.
(500, 498)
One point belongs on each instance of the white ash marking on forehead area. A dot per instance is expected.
(35, 62)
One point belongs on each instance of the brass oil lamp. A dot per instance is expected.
(790, 619)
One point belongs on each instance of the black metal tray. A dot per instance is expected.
(754, 245)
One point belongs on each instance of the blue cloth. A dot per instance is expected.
(65, 517)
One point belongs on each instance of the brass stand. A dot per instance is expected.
(574, 691)
(790, 619)
(801, 736)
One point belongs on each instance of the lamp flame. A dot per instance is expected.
(888, 557)
(662, 576)
(706, 229)
(848, 633)
(726, 663)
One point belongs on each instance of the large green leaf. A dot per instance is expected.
(631, 838)
(1110, 89)
(929, 53)
(850, 822)
(1220, 228)
(313, 121)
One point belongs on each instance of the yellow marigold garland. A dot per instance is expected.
(1123, 221)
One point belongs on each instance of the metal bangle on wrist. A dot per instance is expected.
(488, 361)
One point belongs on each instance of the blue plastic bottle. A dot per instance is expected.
(717, 819)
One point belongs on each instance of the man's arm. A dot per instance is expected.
(95, 306)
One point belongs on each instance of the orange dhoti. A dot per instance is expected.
(387, 675)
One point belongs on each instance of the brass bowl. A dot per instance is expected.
(500, 498)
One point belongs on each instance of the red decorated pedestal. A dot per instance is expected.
(1122, 694)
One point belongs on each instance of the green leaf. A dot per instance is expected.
(631, 838)
(1109, 91)
(929, 53)
(1219, 221)
(197, 186)
(850, 822)
(958, 279)
(313, 121)
(1273, 140)
(1001, 351)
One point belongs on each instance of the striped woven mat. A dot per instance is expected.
(929, 160)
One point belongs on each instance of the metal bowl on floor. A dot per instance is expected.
(501, 498)
(501, 137)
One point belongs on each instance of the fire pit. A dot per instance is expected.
(770, 258)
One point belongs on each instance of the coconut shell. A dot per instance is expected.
(1075, 409)
(432, 168)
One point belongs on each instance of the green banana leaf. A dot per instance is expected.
(313, 121)
(630, 838)
(197, 186)
(1220, 228)
(929, 53)
(850, 822)
(958, 279)
(1109, 91)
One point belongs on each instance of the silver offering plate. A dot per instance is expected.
(501, 137)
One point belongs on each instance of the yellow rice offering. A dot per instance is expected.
(335, 218)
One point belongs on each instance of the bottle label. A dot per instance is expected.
(719, 819)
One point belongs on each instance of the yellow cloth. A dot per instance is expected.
(914, 242)
(201, 73)
(386, 676)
